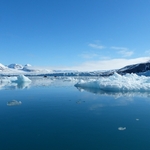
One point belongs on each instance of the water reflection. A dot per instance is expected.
(14, 103)
(12, 86)
(23, 85)
(6, 83)
(114, 94)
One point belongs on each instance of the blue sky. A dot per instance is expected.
(75, 34)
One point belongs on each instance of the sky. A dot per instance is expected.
(75, 34)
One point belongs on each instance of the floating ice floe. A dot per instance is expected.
(20, 82)
(18, 79)
(118, 83)
(122, 128)
(13, 103)
(22, 78)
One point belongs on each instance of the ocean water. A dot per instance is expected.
(55, 115)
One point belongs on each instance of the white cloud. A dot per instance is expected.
(96, 46)
(119, 48)
(89, 56)
(107, 64)
(125, 52)
(147, 52)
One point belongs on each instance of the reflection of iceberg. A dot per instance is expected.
(13, 103)
(22, 82)
(23, 85)
(118, 83)
(53, 81)
(114, 94)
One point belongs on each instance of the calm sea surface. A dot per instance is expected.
(59, 116)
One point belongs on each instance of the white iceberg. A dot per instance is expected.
(20, 82)
(122, 128)
(21, 79)
(118, 83)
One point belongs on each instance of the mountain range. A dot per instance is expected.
(16, 69)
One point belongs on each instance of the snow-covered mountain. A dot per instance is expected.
(136, 68)
(2, 67)
(16, 69)
(36, 70)
(15, 66)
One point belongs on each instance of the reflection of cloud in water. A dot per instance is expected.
(14, 103)
(110, 103)
(114, 94)
(93, 107)
(119, 98)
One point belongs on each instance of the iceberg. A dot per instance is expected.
(22, 79)
(117, 83)
(11, 82)
(121, 128)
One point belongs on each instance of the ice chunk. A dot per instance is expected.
(13, 103)
(122, 128)
(19, 79)
(118, 83)
(22, 78)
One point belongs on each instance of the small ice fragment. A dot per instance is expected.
(13, 103)
(137, 119)
(122, 128)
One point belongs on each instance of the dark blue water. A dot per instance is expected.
(63, 118)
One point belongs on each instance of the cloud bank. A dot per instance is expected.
(125, 52)
(96, 46)
(109, 64)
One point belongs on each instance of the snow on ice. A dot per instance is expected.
(22, 78)
(18, 79)
(117, 83)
